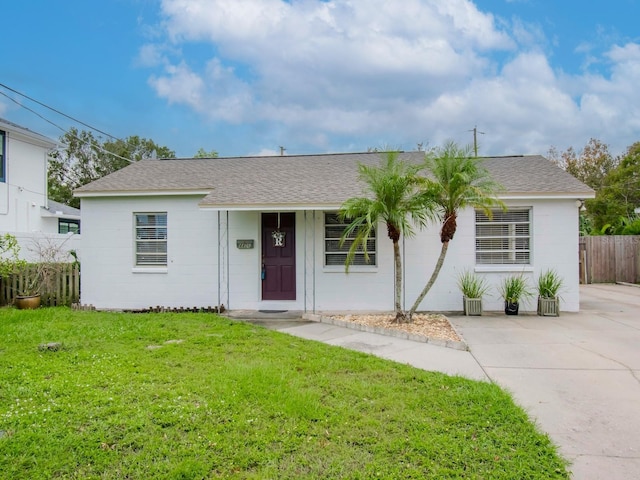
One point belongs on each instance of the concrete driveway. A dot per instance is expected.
(578, 375)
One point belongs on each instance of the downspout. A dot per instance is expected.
(314, 261)
(228, 263)
(304, 287)
(219, 279)
(404, 275)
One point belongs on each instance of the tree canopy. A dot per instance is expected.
(83, 158)
(202, 153)
(591, 165)
(613, 209)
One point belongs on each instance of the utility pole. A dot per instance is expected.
(475, 139)
(282, 149)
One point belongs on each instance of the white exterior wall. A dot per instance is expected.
(109, 277)
(24, 193)
(554, 245)
(199, 274)
(24, 190)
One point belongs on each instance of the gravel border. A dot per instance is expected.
(461, 345)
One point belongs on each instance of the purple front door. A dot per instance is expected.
(278, 256)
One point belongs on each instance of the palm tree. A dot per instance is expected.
(457, 181)
(392, 196)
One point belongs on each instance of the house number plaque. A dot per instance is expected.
(244, 244)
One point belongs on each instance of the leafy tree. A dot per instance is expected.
(615, 203)
(392, 196)
(457, 181)
(83, 158)
(202, 153)
(590, 166)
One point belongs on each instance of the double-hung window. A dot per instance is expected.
(336, 254)
(504, 238)
(151, 239)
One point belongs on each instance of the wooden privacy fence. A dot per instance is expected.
(61, 287)
(610, 259)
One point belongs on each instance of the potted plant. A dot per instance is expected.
(28, 296)
(549, 285)
(473, 288)
(10, 263)
(513, 289)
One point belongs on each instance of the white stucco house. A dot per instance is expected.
(260, 233)
(25, 210)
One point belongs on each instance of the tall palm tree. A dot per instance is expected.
(457, 181)
(392, 196)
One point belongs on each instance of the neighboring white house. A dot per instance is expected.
(261, 233)
(25, 210)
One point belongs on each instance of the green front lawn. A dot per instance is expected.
(200, 396)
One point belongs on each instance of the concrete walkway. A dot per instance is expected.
(578, 375)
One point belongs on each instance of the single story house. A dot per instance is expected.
(261, 233)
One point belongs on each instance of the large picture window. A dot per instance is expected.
(151, 239)
(335, 254)
(505, 238)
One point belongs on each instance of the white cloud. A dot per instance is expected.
(321, 72)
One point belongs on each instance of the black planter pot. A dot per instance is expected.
(511, 308)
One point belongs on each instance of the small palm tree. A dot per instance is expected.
(457, 181)
(392, 196)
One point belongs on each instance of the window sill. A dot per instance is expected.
(149, 270)
(503, 268)
(352, 269)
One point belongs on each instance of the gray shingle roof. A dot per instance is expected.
(308, 180)
(62, 209)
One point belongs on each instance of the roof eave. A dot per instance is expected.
(546, 196)
(138, 193)
(283, 207)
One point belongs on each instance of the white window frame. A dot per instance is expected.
(331, 248)
(506, 239)
(149, 235)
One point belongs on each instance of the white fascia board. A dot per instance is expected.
(47, 214)
(547, 196)
(28, 136)
(139, 193)
(269, 208)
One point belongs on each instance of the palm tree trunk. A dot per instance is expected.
(432, 280)
(400, 316)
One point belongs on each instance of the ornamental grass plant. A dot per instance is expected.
(472, 285)
(515, 288)
(549, 284)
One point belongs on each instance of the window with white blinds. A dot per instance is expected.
(151, 239)
(336, 255)
(505, 238)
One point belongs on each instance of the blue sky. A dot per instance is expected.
(244, 77)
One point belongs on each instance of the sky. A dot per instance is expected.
(245, 77)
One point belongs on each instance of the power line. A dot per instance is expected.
(56, 111)
(68, 132)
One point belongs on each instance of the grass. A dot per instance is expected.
(186, 396)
